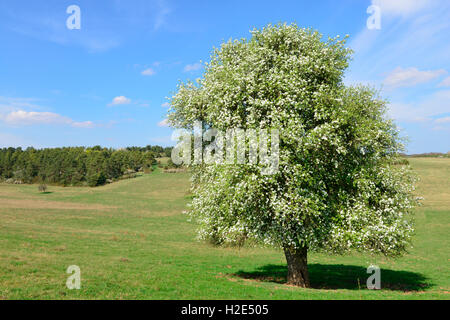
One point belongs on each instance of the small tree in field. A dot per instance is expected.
(336, 189)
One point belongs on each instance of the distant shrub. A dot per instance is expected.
(42, 188)
(170, 164)
(401, 161)
(129, 173)
(96, 179)
(148, 169)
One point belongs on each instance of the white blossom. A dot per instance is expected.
(336, 188)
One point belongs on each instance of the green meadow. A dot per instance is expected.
(131, 240)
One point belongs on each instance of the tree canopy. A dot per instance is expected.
(75, 165)
(337, 187)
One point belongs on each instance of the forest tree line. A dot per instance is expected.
(72, 166)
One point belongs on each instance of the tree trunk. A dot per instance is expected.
(297, 267)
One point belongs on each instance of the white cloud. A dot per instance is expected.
(163, 123)
(443, 120)
(401, 7)
(11, 104)
(24, 112)
(430, 108)
(445, 82)
(192, 67)
(148, 72)
(420, 40)
(165, 105)
(84, 124)
(45, 24)
(410, 77)
(163, 12)
(120, 100)
(408, 113)
(23, 118)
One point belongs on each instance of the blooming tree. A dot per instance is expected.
(337, 187)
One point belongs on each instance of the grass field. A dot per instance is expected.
(131, 241)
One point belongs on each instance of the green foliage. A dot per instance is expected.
(170, 164)
(74, 165)
(400, 161)
(96, 179)
(336, 189)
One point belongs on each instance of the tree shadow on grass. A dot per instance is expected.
(338, 276)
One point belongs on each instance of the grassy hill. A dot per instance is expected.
(132, 241)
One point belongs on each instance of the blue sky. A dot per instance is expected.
(106, 83)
